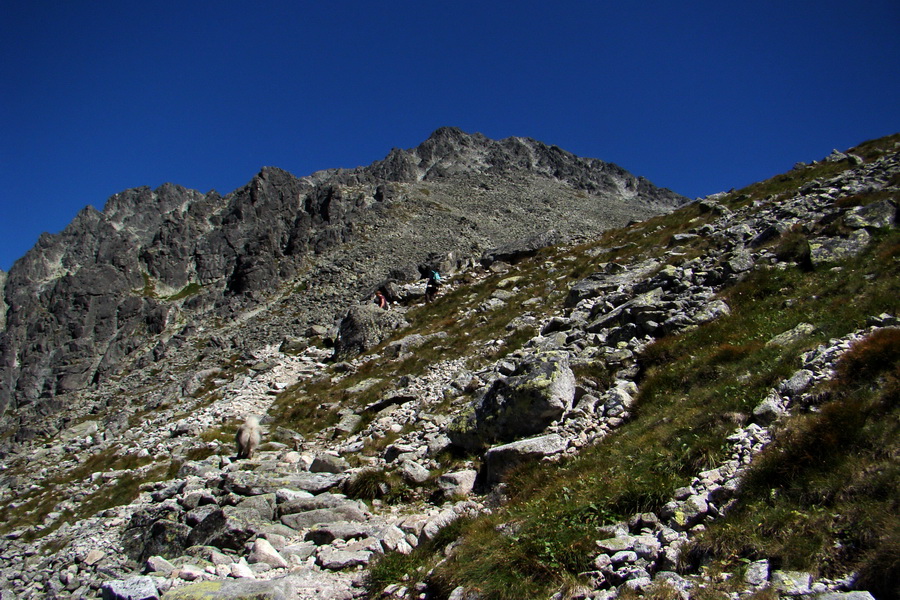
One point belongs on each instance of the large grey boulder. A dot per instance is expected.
(610, 277)
(155, 531)
(683, 515)
(875, 215)
(792, 336)
(365, 326)
(757, 573)
(327, 463)
(630, 311)
(335, 560)
(459, 483)
(833, 249)
(540, 392)
(229, 527)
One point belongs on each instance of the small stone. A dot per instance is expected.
(264, 552)
(791, 583)
(242, 570)
(757, 573)
(625, 556)
(190, 573)
(616, 544)
(93, 557)
(158, 564)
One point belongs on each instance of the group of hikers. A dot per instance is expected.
(431, 289)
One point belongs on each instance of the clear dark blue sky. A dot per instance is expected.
(99, 96)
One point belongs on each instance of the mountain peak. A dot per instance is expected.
(447, 132)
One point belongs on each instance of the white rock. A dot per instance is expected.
(264, 552)
(242, 570)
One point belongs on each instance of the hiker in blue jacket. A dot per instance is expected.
(431, 288)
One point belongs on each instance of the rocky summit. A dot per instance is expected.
(613, 391)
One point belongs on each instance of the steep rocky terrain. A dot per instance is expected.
(577, 415)
(115, 287)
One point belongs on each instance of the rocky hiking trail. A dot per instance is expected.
(283, 524)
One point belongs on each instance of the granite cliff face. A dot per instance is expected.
(131, 283)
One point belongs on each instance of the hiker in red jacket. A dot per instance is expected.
(380, 300)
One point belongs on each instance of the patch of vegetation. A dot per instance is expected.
(371, 484)
(190, 289)
(123, 490)
(368, 484)
(394, 567)
(149, 289)
(303, 410)
(825, 497)
(33, 507)
(696, 388)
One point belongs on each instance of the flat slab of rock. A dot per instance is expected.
(247, 483)
(303, 520)
(135, 588)
(324, 500)
(616, 544)
(339, 530)
(336, 560)
(228, 589)
(499, 460)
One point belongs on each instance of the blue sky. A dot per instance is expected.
(101, 96)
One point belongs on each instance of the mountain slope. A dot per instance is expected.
(116, 285)
(701, 404)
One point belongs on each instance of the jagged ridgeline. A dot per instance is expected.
(123, 287)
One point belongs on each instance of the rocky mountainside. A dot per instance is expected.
(116, 287)
(700, 404)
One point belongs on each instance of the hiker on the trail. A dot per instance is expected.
(431, 288)
(380, 300)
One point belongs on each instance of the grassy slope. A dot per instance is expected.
(690, 382)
